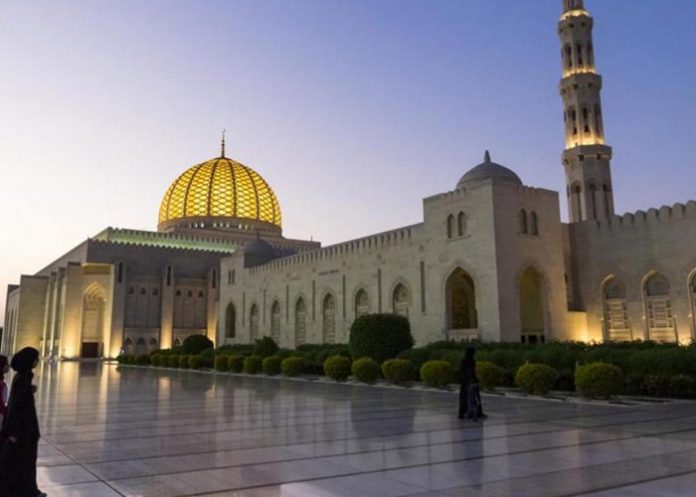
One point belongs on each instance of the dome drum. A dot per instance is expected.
(220, 223)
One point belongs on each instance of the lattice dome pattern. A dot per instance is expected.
(220, 187)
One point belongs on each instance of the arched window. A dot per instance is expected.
(275, 321)
(128, 346)
(450, 226)
(329, 319)
(461, 224)
(140, 347)
(568, 56)
(607, 200)
(401, 300)
(254, 322)
(578, 48)
(598, 120)
(577, 202)
(362, 303)
(590, 55)
(461, 301)
(534, 223)
(532, 307)
(616, 323)
(230, 321)
(153, 344)
(177, 342)
(586, 119)
(658, 309)
(593, 199)
(524, 228)
(574, 120)
(300, 322)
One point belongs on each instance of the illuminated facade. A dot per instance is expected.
(491, 259)
(137, 290)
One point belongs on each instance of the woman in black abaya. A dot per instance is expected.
(19, 436)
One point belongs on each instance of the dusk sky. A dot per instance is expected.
(353, 111)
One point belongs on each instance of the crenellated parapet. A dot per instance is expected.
(645, 219)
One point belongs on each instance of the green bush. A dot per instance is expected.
(398, 371)
(221, 363)
(184, 361)
(130, 359)
(337, 367)
(244, 349)
(265, 347)
(490, 376)
(173, 361)
(143, 360)
(253, 364)
(155, 359)
(271, 365)
(195, 344)
(121, 359)
(536, 379)
(417, 356)
(437, 373)
(235, 363)
(683, 386)
(599, 380)
(380, 336)
(196, 361)
(366, 370)
(293, 366)
(208, 356)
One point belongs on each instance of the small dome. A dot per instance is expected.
(489, 170)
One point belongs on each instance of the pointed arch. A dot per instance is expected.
(128, 348)
(534, 223)
(450, 226)
(275, 321)
(401, 300)
(617, 326)
(523, 223)
(461, 224)
(361, 302)
(532, 305)
(93, 324)
(460, 292)
(328, 314)
(658, 308)
(253, 322)
(300, 321)
(230, 321)
(154, 345)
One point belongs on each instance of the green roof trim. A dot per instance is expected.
(168, 240)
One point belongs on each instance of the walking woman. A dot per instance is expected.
(469, 394)
(4, 392)
(19, 436)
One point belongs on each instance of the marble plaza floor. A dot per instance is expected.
(111, 432)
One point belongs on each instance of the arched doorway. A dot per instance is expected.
(401, 300)
(300, 322)
(93, 320)
(461, 301)
(362, 303)
(230, 321)
(275, 321)
(532, 307)
(658, 309)
(254, 322)
(617, 327)
(329, 319)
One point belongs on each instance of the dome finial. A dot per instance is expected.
(222, 154)
(487, 157)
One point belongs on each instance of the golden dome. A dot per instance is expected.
(219, 188)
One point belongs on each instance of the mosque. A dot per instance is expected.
(490, 260)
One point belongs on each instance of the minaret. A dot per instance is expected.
(587, 159)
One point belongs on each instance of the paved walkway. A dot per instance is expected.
(138, 432)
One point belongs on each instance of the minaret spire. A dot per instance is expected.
(586, 157)
(487, 157)
(222, 153)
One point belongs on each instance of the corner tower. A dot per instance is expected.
(586, 158)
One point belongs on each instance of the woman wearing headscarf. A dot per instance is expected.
(469, 393)
(20, 431)
(4, 392)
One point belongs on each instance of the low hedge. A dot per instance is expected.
(196, 361)
(337, 367)
(173, 361)
(293, 366)
(235, 363)
(156, 360)
(366, 370)
(143, 360)
(599, 380)
(536, 379)
(398, 371)
(271, 365)
(490, 376)
(184, 361)
(265, 347)
(253, 364)
(220, 363)
(438, 373)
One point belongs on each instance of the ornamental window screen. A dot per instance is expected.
(401, 300)
(362, 303)
(275, 321)
(658, 306)
(616, 323)
(300, 322)
(254, 322)
(329, 319)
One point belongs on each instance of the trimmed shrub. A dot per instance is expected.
(417, 356)
(244, 349)
(536, 379)
(184, 361)
(196, 361)
(253, 364)
(337, 368)
(121, 359)
(195, 344)
(143, 360)
(221, 363)
(599, 380)
(683, 386)
(398, 371)
(438, 373)
(173, 361)
(208, 356)
(380, 336)
(490, 376)
(293, 366)
(235, 363)
(265, 347)
(271, 365)
(366, 370)
(156, 359)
